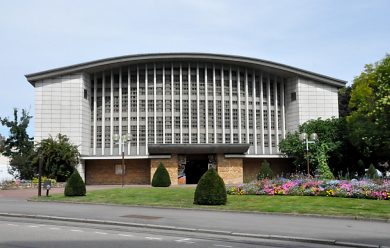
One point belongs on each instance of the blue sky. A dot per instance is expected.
(335, 38)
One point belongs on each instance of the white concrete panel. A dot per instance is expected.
(316, 100)
(58, 106)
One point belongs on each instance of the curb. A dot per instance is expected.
(204, 231)
(368, 219)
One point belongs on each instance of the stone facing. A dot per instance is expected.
(103, 172)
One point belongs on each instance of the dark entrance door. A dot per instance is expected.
(195, 168)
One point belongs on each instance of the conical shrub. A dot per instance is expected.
(265, 171)
(75, 185)
(161, 177)
(371, 172)
(210, 190)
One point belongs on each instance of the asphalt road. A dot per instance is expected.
(308, 227)
(31, 234)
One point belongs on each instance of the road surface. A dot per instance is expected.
(304, 227)
(30, 234)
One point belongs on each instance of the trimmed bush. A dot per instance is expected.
(75, 185)
(161, 177)
(372, 173)
(323, 167)
(265, 171)
(210, 190)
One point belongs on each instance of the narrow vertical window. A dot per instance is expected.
(293, 96)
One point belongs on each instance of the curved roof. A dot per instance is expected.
(265, 65)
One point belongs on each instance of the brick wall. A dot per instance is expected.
(230, 169)
(103, 172)
(171, 164)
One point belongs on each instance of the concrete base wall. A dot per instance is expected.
(232, 170)
(103, 172)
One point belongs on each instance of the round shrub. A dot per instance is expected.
(75, 185)
(210, 190)
(161, 177)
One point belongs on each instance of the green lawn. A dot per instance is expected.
(183, 197)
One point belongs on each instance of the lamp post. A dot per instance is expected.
(40, 175)
(308, 139)
(122, 140)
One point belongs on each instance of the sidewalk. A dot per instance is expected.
(31, 192)
(300, 227)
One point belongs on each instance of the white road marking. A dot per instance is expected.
(103, 233)
(185, 241)
(76, 230)
(54, 228)
(33, 226)
(125, 235)
(223, 246)
(12, 224)
(153, 238)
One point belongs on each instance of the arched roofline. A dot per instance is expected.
(206, 57)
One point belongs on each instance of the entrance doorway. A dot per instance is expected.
(196, 166)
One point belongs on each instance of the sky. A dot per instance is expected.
(335, 38)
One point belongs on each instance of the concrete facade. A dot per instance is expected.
(185, 99)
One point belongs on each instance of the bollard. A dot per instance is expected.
(48, 187)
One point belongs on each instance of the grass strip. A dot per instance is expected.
(182, 197)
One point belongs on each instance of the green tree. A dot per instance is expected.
(2, 143)
(161, 177)
(369, 120)
(331, 137)
(360, 167)
(59, 157)
(344, 96)
(18, 147)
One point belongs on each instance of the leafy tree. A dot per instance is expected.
(360, 167)
(2, 143)
(161, 177)
(75, 185)
(292, 147)
(211, 189)
(369, 121)
(331, 137)
(344, 97)
(59, 157)
(18, 146)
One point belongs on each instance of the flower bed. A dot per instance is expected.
(25, 184)
(313, 187)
